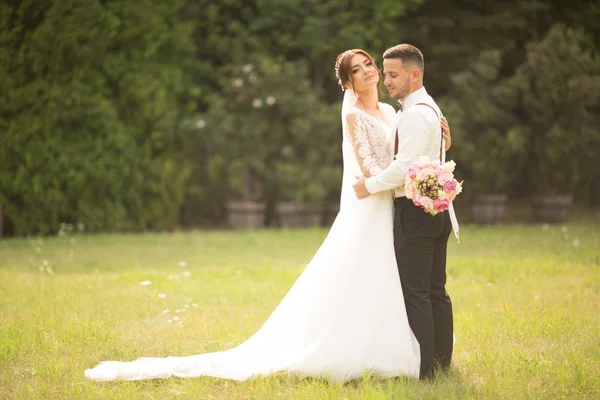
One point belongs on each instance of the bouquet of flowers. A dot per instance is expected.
(430, 185)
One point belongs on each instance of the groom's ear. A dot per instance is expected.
(416, 74)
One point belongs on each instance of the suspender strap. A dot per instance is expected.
(441, 140)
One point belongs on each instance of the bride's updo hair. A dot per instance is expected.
(343, 69)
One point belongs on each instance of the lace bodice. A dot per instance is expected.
(370, 138)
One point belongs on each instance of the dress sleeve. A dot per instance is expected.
(358, 132)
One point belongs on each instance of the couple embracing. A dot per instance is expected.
(373, 297)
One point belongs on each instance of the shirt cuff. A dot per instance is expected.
(372, 185)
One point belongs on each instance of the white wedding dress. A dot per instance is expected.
(344, 315)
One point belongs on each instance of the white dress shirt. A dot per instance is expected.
(419, 133)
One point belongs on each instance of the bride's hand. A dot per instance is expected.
(446, 133)
(360, 187)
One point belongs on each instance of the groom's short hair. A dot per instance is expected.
(408, 53)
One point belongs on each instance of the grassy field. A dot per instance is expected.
(526, 300)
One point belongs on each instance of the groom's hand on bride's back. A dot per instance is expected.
(360, 188)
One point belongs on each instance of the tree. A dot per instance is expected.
(90, 127)
(489, 147)
(556, 94)
(273, 133)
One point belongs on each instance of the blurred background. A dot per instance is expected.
(138, 115)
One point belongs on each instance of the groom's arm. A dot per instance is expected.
(413, 135)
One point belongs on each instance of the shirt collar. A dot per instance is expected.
(413, 98)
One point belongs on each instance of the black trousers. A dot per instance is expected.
(421, 241)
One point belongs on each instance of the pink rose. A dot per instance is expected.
(450, 186)
(444, 177)
(441, 205)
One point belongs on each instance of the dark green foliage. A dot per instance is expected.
(278, 140)
(556, 94)
(534, 131)
(100, 102)
(90, 113)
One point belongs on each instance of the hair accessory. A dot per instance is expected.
(338, 62)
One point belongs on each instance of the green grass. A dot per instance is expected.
(526, 301)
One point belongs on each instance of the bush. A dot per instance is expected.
(90, 131)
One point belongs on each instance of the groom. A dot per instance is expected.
(420, 239)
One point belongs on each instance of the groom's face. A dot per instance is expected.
(397, 78)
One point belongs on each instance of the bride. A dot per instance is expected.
(345, 314)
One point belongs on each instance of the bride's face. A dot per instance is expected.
(397, 78)
(362, 72)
